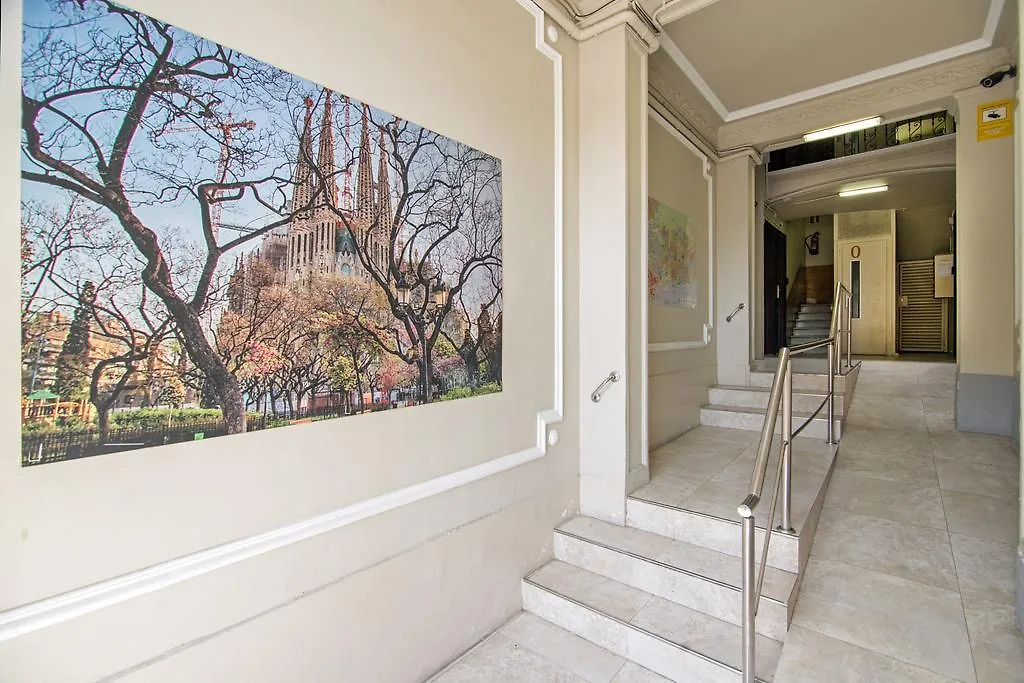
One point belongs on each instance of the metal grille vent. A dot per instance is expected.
(922, 317)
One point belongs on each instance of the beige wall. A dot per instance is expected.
(796, 254)
(678, 380)
(395, 596)
(922, 232)
(734, 237)
(984, 244)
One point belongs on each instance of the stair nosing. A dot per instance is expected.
(747, 410)
(775, 532)
(765, 390)
(664, 565)
(640, 629)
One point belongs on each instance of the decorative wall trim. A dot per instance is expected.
(941, 79)
(687, 67)
(686, 344)
(75, 603)
(662, 90)
(983, 42)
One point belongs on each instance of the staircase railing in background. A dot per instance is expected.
(839, 341)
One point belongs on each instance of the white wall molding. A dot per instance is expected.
(75, 603)
(616, 13)
(669, 14)
(685, 344)
(904, 92)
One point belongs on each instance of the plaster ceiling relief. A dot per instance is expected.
(675, 92)
(904, 92)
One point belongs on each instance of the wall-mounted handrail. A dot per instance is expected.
(781, 395)
(736, 310)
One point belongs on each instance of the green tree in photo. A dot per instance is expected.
(72, 380)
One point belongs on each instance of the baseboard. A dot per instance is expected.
(986, 404)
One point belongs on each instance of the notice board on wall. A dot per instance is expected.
(944, 276)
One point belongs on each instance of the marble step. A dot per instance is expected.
(757, 397)
(806, 334)
(711, 531)
(816, 308)
(802, 381)
(752, 419)
(819, 318)
(690, 575)
(803, 323)
(675, 641)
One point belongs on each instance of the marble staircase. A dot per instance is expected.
(743, 407)
(810, 323)
(663, 591)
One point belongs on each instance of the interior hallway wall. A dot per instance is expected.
(392, 597)
(922, 232)
(678, 379)
(987, 391)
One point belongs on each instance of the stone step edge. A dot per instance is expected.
(734, 522)
(766, 390)
(663, 565)
(761, 411)
(638, 629)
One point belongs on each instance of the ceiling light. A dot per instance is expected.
(842, 129)
(863, 190)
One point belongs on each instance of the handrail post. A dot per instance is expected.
(849, 332)
(787, 448)
(747, 553)
(831, 391)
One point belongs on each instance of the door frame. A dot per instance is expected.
(839, 269)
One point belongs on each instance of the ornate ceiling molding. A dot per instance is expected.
(912, 89)
(662, 89)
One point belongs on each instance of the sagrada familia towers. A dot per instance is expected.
(318, 241)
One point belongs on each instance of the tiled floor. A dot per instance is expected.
(911, 576)
(707, 470)
(529, 649)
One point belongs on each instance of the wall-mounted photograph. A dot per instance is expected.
(211, 245)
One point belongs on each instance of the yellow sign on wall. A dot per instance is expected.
(995, 120)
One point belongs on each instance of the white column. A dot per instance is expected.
(613, 93)
(734, 247)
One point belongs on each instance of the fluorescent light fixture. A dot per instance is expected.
(842, 129)
(863, 190)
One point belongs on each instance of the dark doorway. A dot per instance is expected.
(774, 289)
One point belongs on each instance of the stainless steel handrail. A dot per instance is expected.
(839, 340)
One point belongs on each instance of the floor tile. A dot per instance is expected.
(911, 552)
(986, 569)
(910, 621)
(633, 673)
(998, 481)
(808, 655)
(997, 642)
(903, 467)
(913, 503)
(584, 659)
(981, 516)
(500, 660)
(707, 635)
(990, 450)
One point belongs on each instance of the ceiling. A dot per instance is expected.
(907, 190)
(747, 57)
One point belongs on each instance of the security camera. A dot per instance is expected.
(994, 79)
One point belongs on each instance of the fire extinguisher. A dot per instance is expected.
(813, 243)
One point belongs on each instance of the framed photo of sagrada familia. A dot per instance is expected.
(211, 245)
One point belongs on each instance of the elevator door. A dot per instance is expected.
(868, 271)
